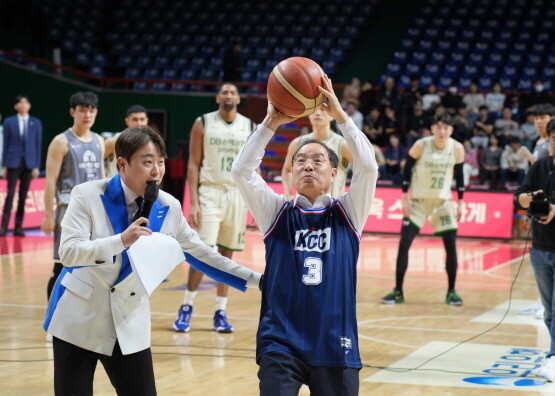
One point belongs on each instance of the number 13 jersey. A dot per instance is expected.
(222, 143)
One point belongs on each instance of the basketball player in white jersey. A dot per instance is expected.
(136, 117)
(321, 131)
(428, 172)
(216, 208)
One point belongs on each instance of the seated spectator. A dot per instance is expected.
(367, 97)
(389, 95)
(462, 129)
(411, 95)
(513, 101)
(471, 165)
(512, 164)
(483, 128)
(390, 124)
(538, 96)
(356, 116)
(528, 133)
(351, 93)
(416, 123)
(495, 101)
(380, 159)
(373, 127)
(505, 127)
(394, 155)
(452, 100)
(490, 162)
(473, 100)
(431, 98)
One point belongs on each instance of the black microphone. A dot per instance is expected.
(151, 194)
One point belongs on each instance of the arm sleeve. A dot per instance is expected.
(459, 178)
(358, 200)
(407, 173)
(263, 202)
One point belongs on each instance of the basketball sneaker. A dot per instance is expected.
(453, 298)
(221, 324)
(181, 324)
(547, 369)
(394, 297)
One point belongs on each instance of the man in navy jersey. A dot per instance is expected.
(308, 329)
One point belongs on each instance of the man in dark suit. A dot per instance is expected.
(21, 149)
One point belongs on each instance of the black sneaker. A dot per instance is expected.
(395, 297)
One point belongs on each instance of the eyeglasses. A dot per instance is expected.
(316, 162)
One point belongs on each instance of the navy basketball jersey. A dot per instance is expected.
(308, 297)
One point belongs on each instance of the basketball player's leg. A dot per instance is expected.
(409, 230)
(58, 267)
(444, 222)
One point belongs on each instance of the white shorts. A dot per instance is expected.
(223, 217)
(440, 211)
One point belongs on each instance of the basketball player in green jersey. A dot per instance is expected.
(321, 131)
(216, 210)
(428, 173)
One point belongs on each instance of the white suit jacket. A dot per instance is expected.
(97, 299)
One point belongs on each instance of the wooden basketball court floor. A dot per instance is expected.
(393, 339)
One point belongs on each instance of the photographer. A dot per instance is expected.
(537, 194)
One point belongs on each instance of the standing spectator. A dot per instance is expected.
(373, 127)
(216, 208)
(490, 162)
(527, 132)
(452, 100)
(307, 332)
(542, 255)
(473, 100)
(232, 62)
(537, 96)
(394, 155)
(495, 101)
(544, 113)
(483, 128)
(351, 93)
(411, 95)
(431, 99)
(22, 144)
(416, 123)
(471, 165)
(367, 97)
(357, 117)
(74, 157)
(389, 95)
(512, 164)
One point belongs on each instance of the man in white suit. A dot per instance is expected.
(97, 310)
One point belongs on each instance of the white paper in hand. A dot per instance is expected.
(153, 258)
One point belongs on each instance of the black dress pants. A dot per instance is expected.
(131, 375)
(24, 175)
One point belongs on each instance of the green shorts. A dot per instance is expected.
(440, 211)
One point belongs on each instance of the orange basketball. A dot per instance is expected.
(293, 86)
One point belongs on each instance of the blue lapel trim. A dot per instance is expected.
(116, 209)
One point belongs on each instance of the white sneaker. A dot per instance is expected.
(539, 313)
(48, 337)
(547, 369)
(532, 309)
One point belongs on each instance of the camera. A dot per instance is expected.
(539, 206)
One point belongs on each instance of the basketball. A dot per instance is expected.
(293, 87)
